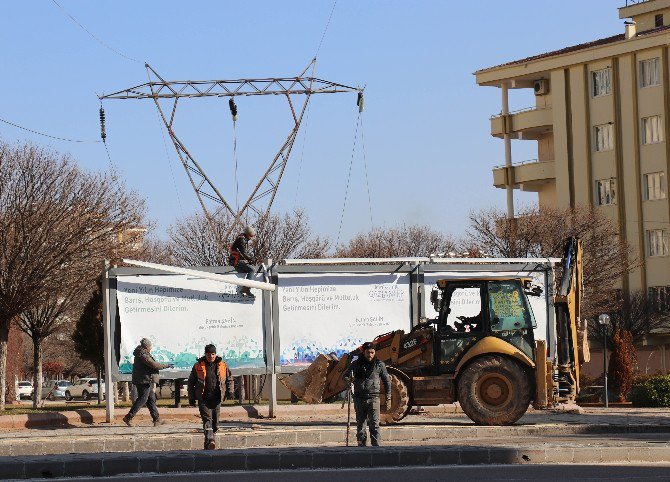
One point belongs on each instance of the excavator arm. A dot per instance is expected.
(572, 346)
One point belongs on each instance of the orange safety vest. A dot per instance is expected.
(201, 373)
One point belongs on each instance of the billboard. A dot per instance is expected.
(181, 314)
(336, 312)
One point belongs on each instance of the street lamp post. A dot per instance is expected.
(604, 321)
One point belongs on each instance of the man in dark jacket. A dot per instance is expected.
(145, 373)
(366, 372)
(240, 257)
(210, 383)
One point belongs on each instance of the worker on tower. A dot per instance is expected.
(240, 257)
(210, 383)
(366, 372)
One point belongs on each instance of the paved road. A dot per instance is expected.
(656, 472)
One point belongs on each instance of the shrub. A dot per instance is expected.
(654, 392)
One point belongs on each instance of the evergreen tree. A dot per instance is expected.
(88, 335)
(622, 362)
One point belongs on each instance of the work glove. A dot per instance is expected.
(191, 403)
(388, 404)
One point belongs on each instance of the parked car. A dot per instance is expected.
(85, 388)
(53, 389)
(24, 390)
(165, 389)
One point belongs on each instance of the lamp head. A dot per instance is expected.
(604, 319)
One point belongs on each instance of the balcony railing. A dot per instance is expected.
(518, 111)
(521, 163)
(635, 2)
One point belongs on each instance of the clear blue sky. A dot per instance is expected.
(429, 152)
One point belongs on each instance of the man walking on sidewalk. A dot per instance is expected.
(240, 257)
(209, 378)
(367, 371)
(145, 374)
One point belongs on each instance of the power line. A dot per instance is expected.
(346, 190)
(100, 41)
(323, 35)
(365, 167)
(49, 135)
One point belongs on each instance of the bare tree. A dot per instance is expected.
(402, 241)
(288, 236)
(636, 314)
(48, 315)
(53, 218)
(542, 233)
(194, 242)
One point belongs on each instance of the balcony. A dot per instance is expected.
(532, 175)
(530, 123)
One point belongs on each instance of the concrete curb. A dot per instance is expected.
(236, 412)
(95, 465)
(192, 439)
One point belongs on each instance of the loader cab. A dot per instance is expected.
(472, 309)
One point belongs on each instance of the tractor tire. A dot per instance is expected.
(85, 395)
(494, 390)
(399, 402)
(68, 397)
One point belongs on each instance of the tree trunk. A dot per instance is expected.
(4, 340)
(37, 368)
(126, 392)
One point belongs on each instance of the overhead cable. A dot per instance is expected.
(49, 135)
(97, 39)
(346, 190)
(323, 35)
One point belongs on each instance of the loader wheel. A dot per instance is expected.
(494, 390)
(399, 401)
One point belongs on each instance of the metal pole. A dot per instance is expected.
(107, 329)
(605, 364)
(508, 152)
(268, 309)
(177, 393)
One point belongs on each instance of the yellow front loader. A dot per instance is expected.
(488, 361)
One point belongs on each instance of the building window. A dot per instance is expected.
(659, 299)
(654, 186)
(657, 240)
(649, 72)
(602, 82)
(606, 190)
(658, 20)
(652, 130)
(604, 137)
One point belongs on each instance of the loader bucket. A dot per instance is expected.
(310, 383)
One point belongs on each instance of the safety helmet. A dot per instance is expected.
(250, 231)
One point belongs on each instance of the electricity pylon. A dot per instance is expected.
(261, 198)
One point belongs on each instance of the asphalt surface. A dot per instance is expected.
(656, 472)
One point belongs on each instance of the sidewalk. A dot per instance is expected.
(302, 427)
(313, 437)
(236, 412)
(96, 465)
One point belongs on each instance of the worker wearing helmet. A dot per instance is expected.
(366, 373)
(240, 257)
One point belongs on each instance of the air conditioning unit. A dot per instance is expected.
(541, 87)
